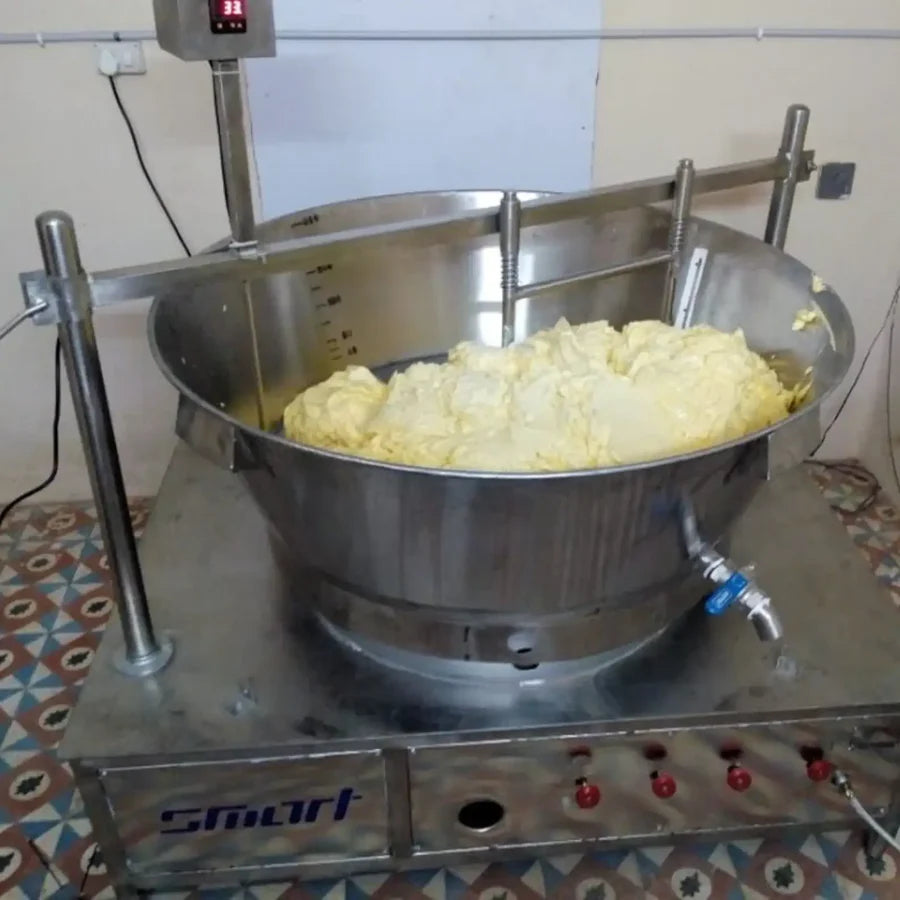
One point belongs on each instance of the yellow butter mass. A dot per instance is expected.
(566, 398)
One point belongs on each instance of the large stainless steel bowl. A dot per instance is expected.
(520, 568)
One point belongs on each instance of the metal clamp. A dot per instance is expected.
(52, 299)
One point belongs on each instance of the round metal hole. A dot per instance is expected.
(731, 752)
(655, 752)
(521, 642)
(481, 815)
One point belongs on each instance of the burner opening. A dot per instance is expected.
(481, 815)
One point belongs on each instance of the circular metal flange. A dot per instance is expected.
(513, 640)
(145, 665)
(484, 673)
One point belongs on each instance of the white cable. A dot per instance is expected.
(866, 816)
(19, 318)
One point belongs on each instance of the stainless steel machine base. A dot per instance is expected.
(269, 749)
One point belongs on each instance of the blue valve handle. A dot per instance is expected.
(725, 594)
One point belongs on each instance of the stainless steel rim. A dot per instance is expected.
(480, 474)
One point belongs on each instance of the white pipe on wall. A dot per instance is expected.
(757, 33)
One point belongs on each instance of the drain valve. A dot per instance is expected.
(733, 585)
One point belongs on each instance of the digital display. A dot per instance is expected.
(228, 16)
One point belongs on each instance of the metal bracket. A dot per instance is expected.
(51, 298)
(214, 439)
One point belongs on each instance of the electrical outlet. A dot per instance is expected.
(121, 58)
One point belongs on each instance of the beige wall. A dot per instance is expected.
(64, 145)
(722, 101)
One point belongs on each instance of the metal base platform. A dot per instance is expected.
(269, 749)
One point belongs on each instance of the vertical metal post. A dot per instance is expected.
(791, 150)
(681, 211)
(143, 653)
(510, 228)
(235, 152)
(236, 180)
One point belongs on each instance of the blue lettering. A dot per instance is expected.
(268, 817)
(169, 815)
(312, 810)
(274, 815)
(232, 817)
(296, 810)
(250, 818)
(343, 803)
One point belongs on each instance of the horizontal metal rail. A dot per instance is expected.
(134, 282)
(553, 284)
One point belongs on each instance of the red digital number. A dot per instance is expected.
(231, 9)
(228, 16)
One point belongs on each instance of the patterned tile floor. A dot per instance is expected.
(54, 605)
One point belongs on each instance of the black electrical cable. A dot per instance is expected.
(852, 469)
(859, 475)
(57, 376)
(888, 317)
(888, 392)
(140, 158)
(54, 467)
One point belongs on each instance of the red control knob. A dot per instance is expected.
(819, 770)
(663, 785)
(739, 779)
(587, 796)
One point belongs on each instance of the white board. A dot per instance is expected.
(334, 120)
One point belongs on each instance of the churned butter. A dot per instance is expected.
(570, 397)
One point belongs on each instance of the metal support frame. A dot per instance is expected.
(799, 168)
(144, 652)
(234, 151)
(65, 295)
(135, 282)
(510, 224)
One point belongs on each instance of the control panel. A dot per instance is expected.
(215, 29)
(298, 811)
(639, 785)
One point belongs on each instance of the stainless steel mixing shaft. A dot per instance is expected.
(510, 223)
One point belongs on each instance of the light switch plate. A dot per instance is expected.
(835, 180)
